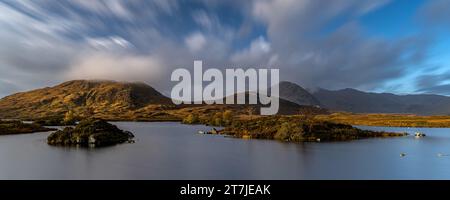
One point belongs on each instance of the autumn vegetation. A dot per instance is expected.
(390, 120)
(91, 132)
(18, 127)
(294, 128)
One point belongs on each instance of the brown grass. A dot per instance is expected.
(391, 120)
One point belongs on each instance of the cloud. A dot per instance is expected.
(436, 13)
(203, 19)
(115, 67)
(109, 43)
(312, 44)
(6, 87)
(110, 7)
(312, 54)
(195, 42)
(443, 89)
(258, 50)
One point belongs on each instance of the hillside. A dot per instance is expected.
(352, 100)
(112, 100)
(295, 93)
(82, 97)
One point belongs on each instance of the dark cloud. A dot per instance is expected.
(436, 89)
(435, 19)
(436, 13)
(434, 83)
(48, 40)
(337, 58)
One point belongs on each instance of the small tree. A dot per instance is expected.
(217, 119)
(69, 117)
(190, 119)
(218, 122)
(227, 117)
(283, 132)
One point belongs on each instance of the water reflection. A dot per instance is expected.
(175, 151)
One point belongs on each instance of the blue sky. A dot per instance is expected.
(398, 46)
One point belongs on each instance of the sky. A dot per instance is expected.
(395, 46)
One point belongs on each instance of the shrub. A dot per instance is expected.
(283, 132)
(191, 119)
(227, 117)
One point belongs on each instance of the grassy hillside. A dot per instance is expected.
(82, 98)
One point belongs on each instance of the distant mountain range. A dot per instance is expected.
(351, 100)
(118, 100)
(295, 93)
(356, 101)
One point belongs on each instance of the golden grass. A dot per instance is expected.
(391, 120)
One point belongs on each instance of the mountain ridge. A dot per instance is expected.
(116, 100)
(113, 100)
(297, 94)
(352, 100)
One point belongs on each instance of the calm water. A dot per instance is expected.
(175, 151)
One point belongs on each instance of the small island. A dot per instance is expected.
(92, 133)
(293, 128)
(18, 127)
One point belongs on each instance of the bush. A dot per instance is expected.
(283, 132)
(191, 119)
(69, 118)
(227, 117)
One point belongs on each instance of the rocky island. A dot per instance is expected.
(93, 133)
(18, 127)
(294, 128)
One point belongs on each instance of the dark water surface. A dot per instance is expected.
(175, 151)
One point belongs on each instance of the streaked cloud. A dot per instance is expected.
(312, 44)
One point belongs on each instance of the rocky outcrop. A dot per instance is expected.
(93, 133)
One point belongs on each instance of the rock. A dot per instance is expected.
(90, 133)
(214, 131)
(418, 135)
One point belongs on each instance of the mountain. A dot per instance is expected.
(82, 97)
(111, 100)
(286, 107)
(352, 100)
(295, 93)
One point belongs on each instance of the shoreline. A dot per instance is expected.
(359, 120)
